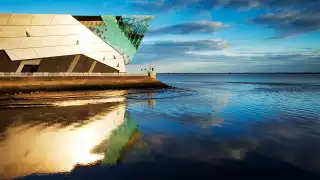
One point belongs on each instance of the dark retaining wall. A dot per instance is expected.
(83, 64)
(28, 84)
(55, 64)
(6, 65)
(102, 68)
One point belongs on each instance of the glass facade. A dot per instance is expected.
(124, 33)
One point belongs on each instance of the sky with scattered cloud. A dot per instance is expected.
(210, 35)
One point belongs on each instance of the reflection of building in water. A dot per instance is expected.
(151, 101)
(122, 141)
(47, 147)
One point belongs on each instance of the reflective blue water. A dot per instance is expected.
(226, 116)
(217, 126)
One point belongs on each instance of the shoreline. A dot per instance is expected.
(72, 83)
(250, 73)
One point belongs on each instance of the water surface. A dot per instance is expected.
(214, 118)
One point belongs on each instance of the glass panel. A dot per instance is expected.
(124, 33)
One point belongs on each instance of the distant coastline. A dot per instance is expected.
(251, 73)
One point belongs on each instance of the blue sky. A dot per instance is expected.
(210, 35)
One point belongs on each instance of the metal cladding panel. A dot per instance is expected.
(56, 30)
(106, 55)
(29, 42)
(105, 47)
(11, 55)
(122, 67)
(95, 56)
(51, 40)
(13, 31)
(62, 30)
(63, 19)
(53, 51)
(10, 43)
(20, 19)
(1, 33)
(41, 19)
(46, 51)
(96, 47)
(23, 54)
(70, 40)
(64, 50)
(76, 49)
(4, 18)
(88, 38)
(36, 31)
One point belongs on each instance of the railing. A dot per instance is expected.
(55, 74)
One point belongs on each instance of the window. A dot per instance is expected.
(30, 68)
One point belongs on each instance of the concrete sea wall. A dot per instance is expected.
(10, 83)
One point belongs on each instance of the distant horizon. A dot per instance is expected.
(242, 73)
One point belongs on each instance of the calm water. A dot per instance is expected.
(243, 125)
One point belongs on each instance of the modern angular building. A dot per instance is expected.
(66, 43)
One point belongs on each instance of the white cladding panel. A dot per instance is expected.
(64, 50)
(4, 18)
(57, 30)
(51, 40)
(52, 35)
(122, 67)
(41, 19)
(11, 55)
(62, 30)
(28, 42)
(36, 31)
(46, 51)
(20, 19)
(10, 43)
(13, 31)
(70, 40)
(75, 49)
(63, 19)
(24, 54)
